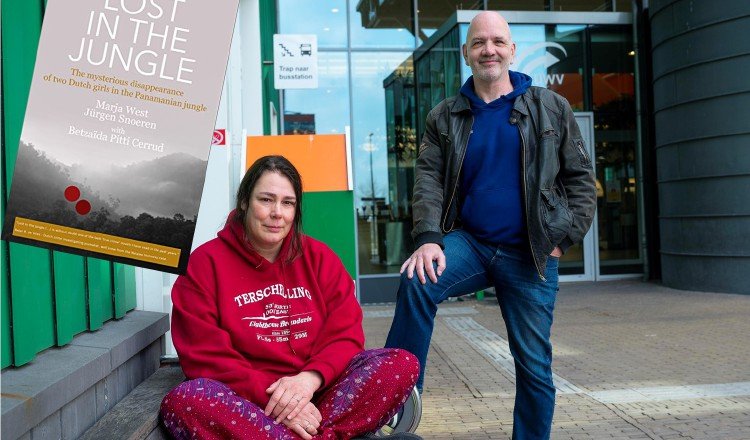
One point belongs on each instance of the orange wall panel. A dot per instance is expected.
(320, 159)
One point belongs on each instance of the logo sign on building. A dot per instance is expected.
(295, 61)
(536, 60)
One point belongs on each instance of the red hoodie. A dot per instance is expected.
(246, 322)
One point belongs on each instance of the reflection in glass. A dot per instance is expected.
(623, 6)
(613, 100)
(565, 62)
(402, 152)
(324, 110)
(438, 75)
(432, 14)
(581, 5)
(381, 24)
(324, 18)
(437, 79)
(516, 5)
(553, 57)
(391, 95)
(559, 5)
(424, 101)
(380, 242)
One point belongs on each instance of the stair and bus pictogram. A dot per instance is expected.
(285, 52)
(304, 49)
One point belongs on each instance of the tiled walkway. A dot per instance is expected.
(632, 360)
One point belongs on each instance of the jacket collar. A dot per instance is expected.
(521, 105)
(461, 104)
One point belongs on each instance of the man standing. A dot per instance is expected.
(503, 187)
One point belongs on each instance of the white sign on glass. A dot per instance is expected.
(295, 61)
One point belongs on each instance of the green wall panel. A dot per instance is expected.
(329, 217)
(101, 308)
(33, 313)
(267, 10)
(6, 341)
(124, 280)
(70, 296)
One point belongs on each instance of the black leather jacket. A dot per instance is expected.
(558, 179)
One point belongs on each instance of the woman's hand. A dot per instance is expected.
(306, 423)
(289, 395)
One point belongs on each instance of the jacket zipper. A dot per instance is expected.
(584, 156)
(526, 204)
(458, 176)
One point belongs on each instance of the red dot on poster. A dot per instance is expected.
(72, 193)
(83, 207)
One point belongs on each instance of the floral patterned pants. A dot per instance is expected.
(371, 390)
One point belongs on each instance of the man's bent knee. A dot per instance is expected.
(413, 290)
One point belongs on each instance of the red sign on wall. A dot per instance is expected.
(220, 137)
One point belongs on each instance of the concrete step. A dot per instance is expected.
(65, 390)
(136, 417)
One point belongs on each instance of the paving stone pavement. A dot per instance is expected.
(633, 360)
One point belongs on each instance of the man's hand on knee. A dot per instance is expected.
(422, 259)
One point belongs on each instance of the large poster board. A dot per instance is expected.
(118, 128)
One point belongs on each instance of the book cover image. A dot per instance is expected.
(118, 127)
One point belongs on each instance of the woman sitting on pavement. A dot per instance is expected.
(268, 329)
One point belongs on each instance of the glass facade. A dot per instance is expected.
(438, 75)
(326, 19)
(371, 26)
(374, 82)
(324, 110)
(593, 67)
(581, 5)
(560, 5)
(518, 5)
(361, 44)
(432, 14)
(613, 102)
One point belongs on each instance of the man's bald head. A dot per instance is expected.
(489, 49)
(488, 19)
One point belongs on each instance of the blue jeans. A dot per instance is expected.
(526, 303)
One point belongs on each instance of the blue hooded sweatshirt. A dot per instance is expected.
(491, 193)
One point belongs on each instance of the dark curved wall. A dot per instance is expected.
(701, 72)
